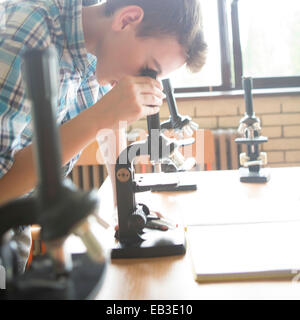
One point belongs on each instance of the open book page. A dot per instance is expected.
(245, 251)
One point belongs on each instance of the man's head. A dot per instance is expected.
(158, 34)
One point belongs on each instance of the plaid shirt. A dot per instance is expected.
(27, 24)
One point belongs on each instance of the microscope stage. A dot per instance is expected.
(166, 182)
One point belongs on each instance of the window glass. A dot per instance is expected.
(270, 37)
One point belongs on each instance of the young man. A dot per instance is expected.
(99, 47)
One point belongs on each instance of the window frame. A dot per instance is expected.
(232, 67)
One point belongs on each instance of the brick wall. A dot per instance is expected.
(279, 115)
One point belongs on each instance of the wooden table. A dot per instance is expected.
(220, 198)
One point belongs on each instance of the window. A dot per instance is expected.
(257, 38)
(270, 45)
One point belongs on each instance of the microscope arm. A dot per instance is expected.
(127, 186)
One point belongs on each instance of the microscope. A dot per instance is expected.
(253, 160)
(141, 235)
(56, 205)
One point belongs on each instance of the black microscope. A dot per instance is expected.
(253, 160)
(56, 205)
(140, 234)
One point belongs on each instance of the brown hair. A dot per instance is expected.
(179, 18)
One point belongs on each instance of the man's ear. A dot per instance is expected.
(127, 16)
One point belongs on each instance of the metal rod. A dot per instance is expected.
(170, 99)
(247, 85)
(41, 75)
(153, 124)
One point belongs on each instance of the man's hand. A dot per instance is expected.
(130, 99)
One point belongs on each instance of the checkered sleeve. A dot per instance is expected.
(25, 28)
(86, 96)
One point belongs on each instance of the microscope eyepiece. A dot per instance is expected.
(149, 73)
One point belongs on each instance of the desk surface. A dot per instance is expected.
(220, 198)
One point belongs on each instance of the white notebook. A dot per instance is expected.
(245, 251)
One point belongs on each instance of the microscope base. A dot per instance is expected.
(156, 244)
(41, 283)
(262, 176)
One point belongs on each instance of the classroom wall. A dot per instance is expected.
(279, 115)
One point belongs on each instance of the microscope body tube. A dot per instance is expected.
(247, 85)
(170, 99)
(41, 75)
